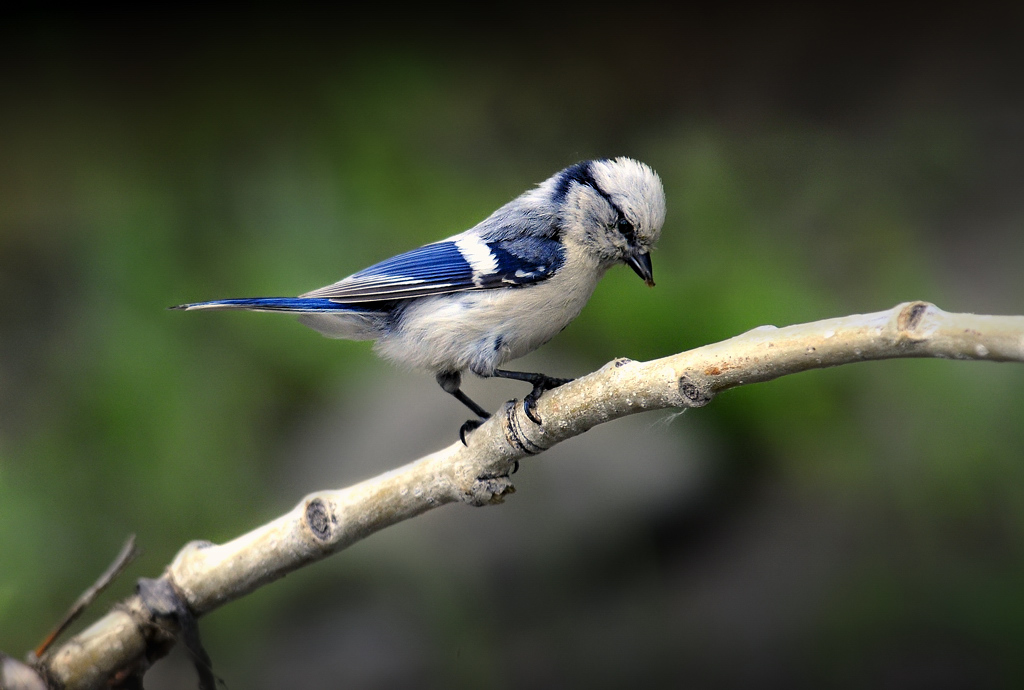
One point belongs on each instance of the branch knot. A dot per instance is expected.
(909, 318)
(319, 519)
(489, 490)
(694, 394)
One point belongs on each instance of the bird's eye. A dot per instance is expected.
(626, 228)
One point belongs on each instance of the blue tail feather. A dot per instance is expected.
(296, 304)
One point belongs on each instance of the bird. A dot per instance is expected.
(500, 289)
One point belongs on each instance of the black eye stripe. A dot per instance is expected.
(581, 173)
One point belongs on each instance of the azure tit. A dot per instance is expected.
(499, 290)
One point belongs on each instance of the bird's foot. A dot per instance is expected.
(470, 425)
(540, 384)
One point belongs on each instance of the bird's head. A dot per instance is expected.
(614, 208)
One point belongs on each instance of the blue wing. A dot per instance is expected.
(465, 262)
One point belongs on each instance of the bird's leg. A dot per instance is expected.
(541, 383)
(450, 382)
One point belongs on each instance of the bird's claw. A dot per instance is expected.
(530, 401)
(470, 425)
(530, 408)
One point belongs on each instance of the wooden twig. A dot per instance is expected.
(205, 576)
(128, 553)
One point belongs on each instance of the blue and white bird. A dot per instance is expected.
(499, 290)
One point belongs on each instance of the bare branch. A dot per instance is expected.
(206, 575)
(127, 554)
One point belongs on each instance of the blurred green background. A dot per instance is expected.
(858, 527)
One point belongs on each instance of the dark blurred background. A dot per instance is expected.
(861, 527)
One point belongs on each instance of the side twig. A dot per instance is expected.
(129, 552)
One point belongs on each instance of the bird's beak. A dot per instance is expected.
(641, 264)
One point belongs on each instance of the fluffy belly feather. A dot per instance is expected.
(482, 330)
